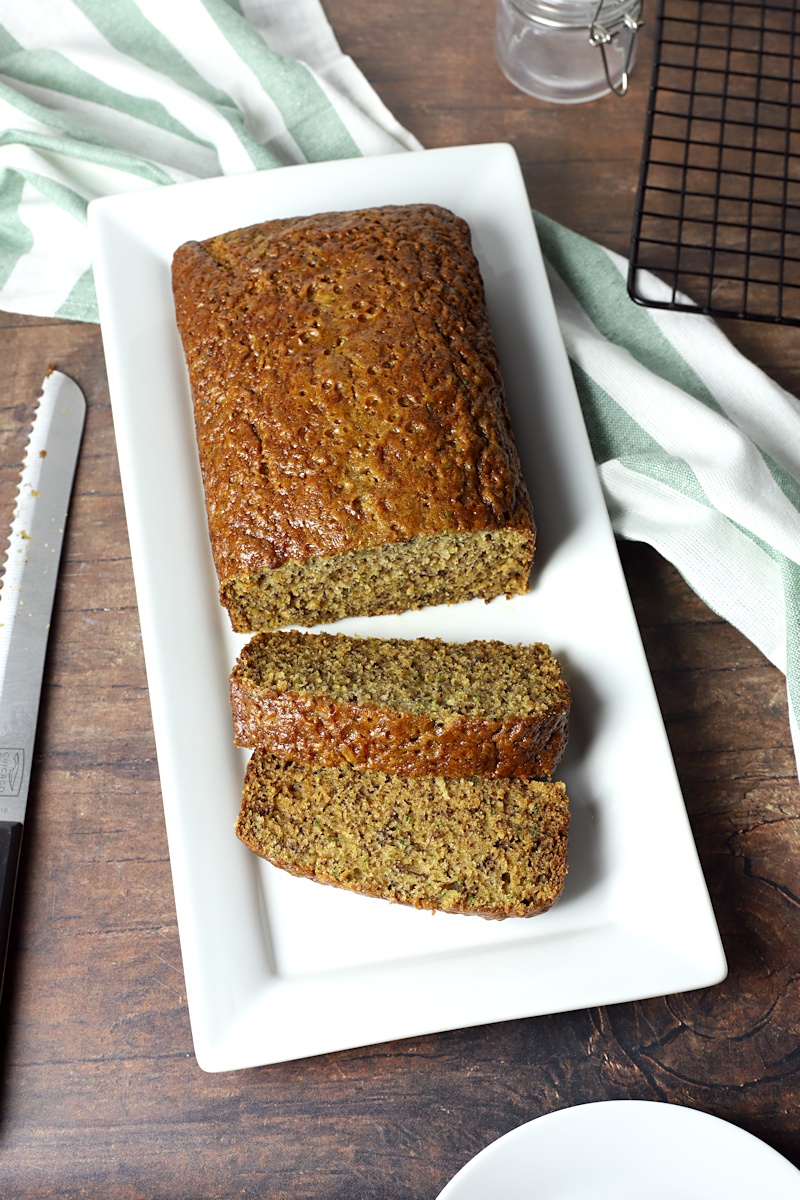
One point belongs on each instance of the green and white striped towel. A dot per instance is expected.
(698, 451)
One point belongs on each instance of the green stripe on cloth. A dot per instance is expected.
(81, 303)
(52, 70)
(612, 432)
(47, 117)
(788, 485)
(791, 582)
(310, 118)
(97, 154)
(65, 197)
(594, 281)
(16, 239)
(127, 29)
(8, 46)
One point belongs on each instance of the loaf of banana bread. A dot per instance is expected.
(411, 707)
(354, 439)
(494, 848)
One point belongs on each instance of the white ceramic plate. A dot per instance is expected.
(626, 1150)
(277, 967)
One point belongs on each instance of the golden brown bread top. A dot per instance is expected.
(346, 386)
(315, 729)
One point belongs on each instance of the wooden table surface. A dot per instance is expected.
(101, 1094)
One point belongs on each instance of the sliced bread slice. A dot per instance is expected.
(493, 848)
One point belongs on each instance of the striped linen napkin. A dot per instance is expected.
(698, 451)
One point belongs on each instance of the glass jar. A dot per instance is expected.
(568, 51)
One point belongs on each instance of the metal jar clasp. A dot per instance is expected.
(602, 35)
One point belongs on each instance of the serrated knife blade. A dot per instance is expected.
(26, 604)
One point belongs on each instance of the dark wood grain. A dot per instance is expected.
(100, 1094)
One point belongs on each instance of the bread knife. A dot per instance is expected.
(26, 604)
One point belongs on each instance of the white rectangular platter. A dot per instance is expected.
(278, 968)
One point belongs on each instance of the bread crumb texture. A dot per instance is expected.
(415, 707)
(492, 848)
(354, 439)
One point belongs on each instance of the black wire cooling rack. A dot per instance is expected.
(718, 208)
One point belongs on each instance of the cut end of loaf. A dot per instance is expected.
(393, 578)
(491, 848)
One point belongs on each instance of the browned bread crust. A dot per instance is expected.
(354, 440)
(493, 848)
(331, 699)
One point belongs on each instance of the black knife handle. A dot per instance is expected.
(10, 845)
